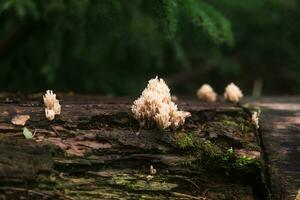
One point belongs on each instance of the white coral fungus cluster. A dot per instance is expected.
(207, 93)
(233, 93)
(155, 105)
(52, 105)
(255, 119)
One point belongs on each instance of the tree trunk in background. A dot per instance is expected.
(96, 150)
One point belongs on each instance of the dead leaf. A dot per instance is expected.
(20, 119)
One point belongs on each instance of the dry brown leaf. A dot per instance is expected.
(20, 119)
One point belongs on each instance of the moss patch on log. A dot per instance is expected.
(214, 143)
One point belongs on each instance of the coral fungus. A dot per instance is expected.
(155, 106)
(233, 93)
(52, 105)
(207, 93)
(255, 119)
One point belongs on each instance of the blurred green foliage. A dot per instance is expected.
(115, 46)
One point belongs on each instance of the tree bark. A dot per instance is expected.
(96, 150)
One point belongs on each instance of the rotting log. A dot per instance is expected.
(96, 150)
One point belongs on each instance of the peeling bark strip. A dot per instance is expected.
(95, 150)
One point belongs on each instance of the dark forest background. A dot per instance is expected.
(114, 46)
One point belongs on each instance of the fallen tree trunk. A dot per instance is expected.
(96, 150)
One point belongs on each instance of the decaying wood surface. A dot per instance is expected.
(280, 132)
(96, 150)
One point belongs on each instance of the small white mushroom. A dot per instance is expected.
(152, 170)
(298, 195)
(50, 114)
(233, 93)
(255, 119)
(207, 93)
(52, 105)
(174, 98)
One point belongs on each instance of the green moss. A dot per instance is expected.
(73, 133)
(228, 155)
(184, 140)
(190, 140)
(251, 146)
(237, 124)
(140, 183)
(234, 130)
(209, 148)
(230, 161)
(244, 161)
(214, 158)
(230, 123)
(195, 145)
(204, 150)
(151, 185)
